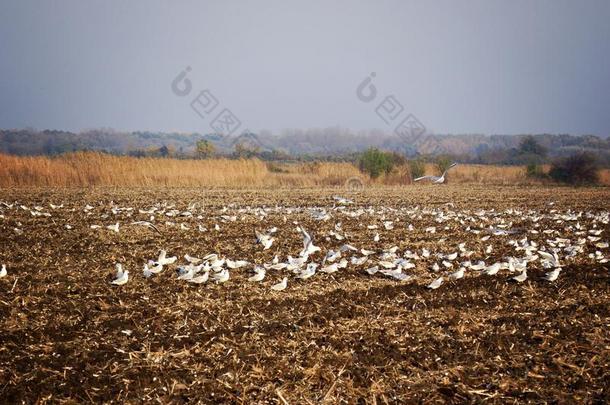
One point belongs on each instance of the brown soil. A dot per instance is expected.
(342, 338)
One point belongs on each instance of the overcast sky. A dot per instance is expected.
(485, 66)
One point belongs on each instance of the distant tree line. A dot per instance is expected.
(332, 144)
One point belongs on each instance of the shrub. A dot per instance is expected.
(245, 150)
(534, 170)
(443, 163)
(274, 168)
(375, 162)
(417, 168)
(578, 169)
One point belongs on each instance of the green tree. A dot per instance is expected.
(164, 151)
(205, 149)
(374, 162)
(532, 154)
(245, 150)
(417, 168)
(530, 146)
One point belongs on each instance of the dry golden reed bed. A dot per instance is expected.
(97, 169)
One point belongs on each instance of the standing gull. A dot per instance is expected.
(435, 284)
(121, 276)
(281, 285)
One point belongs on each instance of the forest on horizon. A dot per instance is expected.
(321, 144)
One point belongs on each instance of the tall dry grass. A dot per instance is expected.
(485, 174)
(463, 173)
(93, 169)
(84, 169)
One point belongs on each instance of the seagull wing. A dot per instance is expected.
(147, 224)
(426, 178)
(547, 256)
(119, 271)
(445, 172)
(306, 237)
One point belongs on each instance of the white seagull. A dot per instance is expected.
(549, 260)
(236, 264)
(146, 271)
(553, 275)
(188, 272)
(308, 272)
(521, 277)
(281, 285)
(163, 259)
(121, 276)
(308, 246)
(264, 239)
(331, 268)
(192, 260)
(436, 179)
(458, 274)
(154, 267)
(493, 269)
(221, 277)
(436, 283)
(200, 279)
(358, 261)
(3, 271)
(259, 276)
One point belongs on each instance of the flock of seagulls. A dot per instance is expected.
(493, 241)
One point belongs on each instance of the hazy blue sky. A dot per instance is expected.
(471, 66)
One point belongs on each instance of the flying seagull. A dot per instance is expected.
(436, 179)
(264, 239)
(549, 260)
(308, 246)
